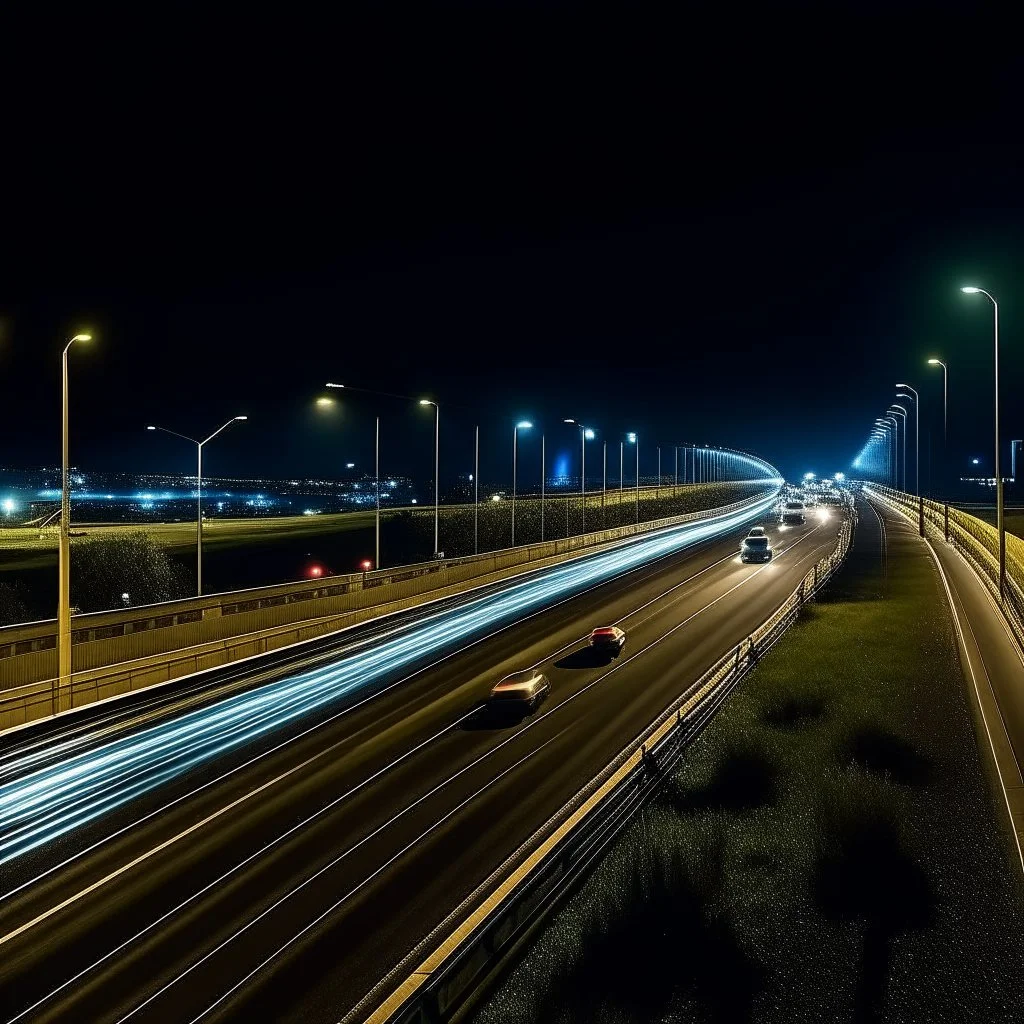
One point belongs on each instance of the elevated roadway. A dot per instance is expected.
(279, 851)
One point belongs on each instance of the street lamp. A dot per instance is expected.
(199, 490)
(1000, 525)
(899, 410)
(437, 462)
(912, 394)
(64, 555)
(891, 426)
(522, 425)
(586, 434)
(632, 439)
(945, 418)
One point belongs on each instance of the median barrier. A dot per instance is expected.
(442, 978)
(130, 649)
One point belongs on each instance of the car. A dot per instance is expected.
(757, 531)
(756, 548)
(608, 638)
(519, 692)
(793, 513)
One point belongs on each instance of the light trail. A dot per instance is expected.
(46, 803)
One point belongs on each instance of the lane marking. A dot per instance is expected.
(473, 796)
(651, 566)
(514, 736)
(977, 691)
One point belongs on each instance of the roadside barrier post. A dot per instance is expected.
(945, 520)
(920, 515)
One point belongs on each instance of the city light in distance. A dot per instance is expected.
(8, 506)
(350, 465)
(366, 565)
(316, 571)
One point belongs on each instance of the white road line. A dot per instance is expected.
(247, 764)
(977, 691)
(487, 785)
(348, 794)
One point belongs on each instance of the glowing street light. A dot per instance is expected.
(1000, 525)
(64, 553)
(437, 464)
(521, 425)
(632, 438)
(199, 489)
(586, 434)
(912, 394)
(899, 410)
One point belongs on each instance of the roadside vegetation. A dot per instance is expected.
(829, 849)
(240, 553)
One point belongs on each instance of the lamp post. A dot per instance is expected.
(604, 481)
(327, 402)
(199, 489)
(912, 394)
(476, 490)
(633, 439)
(543, 470)
(945, 418)
(890, 422)
(64, 554)
(586, 434)
(1000, 525)
(521, 425)
(899, 410)
(437, 469)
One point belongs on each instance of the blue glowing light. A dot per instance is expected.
(53, 790)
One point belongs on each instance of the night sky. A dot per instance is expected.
(734, 233)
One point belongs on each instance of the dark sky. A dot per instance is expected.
(736, 233)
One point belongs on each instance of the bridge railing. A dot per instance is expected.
(115, 652)
(976, 540)
(436, 981)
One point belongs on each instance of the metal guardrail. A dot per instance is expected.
(976, 540)
(438, 980)
(31, 701)
(28, 651)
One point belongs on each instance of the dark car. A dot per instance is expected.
(608, 638)
(756, 549)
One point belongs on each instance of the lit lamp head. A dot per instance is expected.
(523, 425)
(82, 337)
(969, 289)
(325, 402)
(934, 362)
(588, 434)
(241, 418)
(631, 438)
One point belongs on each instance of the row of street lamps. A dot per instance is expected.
(710, 462)
(880, 436)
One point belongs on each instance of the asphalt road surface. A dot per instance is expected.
(283, 878)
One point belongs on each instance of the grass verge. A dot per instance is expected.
(828, 850)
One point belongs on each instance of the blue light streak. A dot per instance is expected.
(44, 800)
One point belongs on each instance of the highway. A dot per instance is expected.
(275, 854)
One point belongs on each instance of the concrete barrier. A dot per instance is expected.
(119, 652)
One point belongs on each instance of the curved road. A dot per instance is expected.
(284, 878)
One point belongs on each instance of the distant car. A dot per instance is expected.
(608, 638)
(757, 531)
(756, 548)
(793, 513)
(519, 692)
